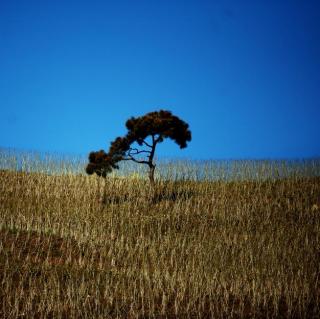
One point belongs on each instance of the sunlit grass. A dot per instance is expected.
(74, 246)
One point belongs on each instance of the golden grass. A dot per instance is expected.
(240, 249)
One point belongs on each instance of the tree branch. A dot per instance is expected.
(147, 144)
(137, 151)
(131, 158)
(158, 139)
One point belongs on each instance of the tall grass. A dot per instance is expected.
(167, 169)
(74, 246)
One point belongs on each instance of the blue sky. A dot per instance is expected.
(244, 74)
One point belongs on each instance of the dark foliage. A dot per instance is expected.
(157, 125)
(100, 163)
(161, 123)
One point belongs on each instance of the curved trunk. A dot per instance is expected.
(151, 174)
(151, 165)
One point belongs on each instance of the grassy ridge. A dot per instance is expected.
(199, 249)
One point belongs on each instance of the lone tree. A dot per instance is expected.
(145, 133)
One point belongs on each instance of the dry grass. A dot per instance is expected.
(197, 250)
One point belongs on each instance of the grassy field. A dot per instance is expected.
(73, 246)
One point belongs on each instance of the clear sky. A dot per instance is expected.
(244, 74)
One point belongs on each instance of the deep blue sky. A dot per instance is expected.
(244, 74)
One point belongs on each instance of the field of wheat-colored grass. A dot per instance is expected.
(75, 246)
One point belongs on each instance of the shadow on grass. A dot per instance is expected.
(171, 191)
(161, 191)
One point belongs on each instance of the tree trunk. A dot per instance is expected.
(151, 165)
(103, 196)
(151, 174)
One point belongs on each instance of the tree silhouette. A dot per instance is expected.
(147, 132)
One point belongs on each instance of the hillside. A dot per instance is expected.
(234, 249)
